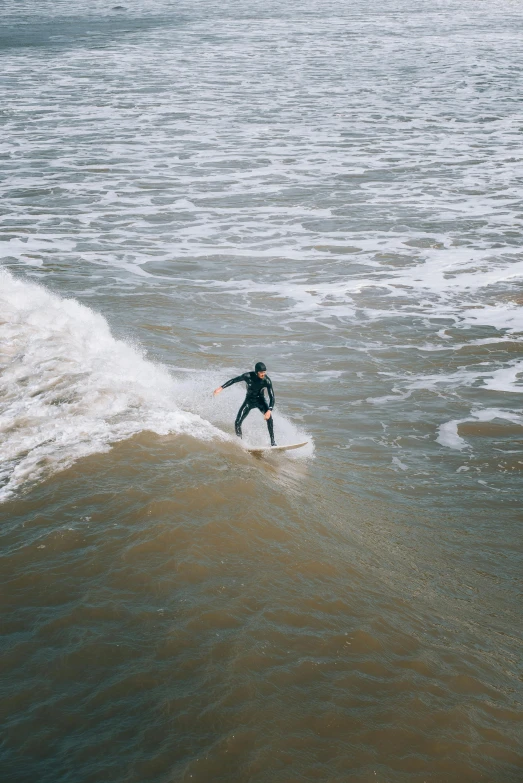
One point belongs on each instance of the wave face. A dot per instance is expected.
(68, 388)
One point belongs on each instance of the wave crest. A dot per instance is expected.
(68, 388)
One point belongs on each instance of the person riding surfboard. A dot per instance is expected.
(257, 382)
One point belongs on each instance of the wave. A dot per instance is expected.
(68, 388)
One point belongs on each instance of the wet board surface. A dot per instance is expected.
(262, 449)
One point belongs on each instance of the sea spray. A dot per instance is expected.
(68, 388)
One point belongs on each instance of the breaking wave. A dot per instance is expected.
(68, 388)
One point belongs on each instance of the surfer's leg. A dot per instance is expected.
(242, 413)
(270, 427)
(270, 423)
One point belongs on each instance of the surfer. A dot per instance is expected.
(256, 382)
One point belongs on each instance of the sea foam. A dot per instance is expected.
(68, 388)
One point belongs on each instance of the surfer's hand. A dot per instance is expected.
(267, 416)
(217, 391)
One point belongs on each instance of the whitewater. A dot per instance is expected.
(70, 389)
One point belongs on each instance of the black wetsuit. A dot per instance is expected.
(254, 399)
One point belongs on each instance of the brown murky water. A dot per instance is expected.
(336, 191)
(174, 612)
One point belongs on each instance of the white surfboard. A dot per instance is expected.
(277, 448)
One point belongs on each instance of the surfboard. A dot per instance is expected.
(261, 449)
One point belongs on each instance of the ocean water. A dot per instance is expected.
(335, 189)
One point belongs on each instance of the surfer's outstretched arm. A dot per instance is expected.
(229, 383)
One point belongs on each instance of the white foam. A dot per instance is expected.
(68, 388)
(506, 379)
(503, 379)
(448, 282)
(503, 316)
(448, 432)
(448, 435)
(401, 465)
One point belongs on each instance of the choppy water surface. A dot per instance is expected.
(335, 189)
